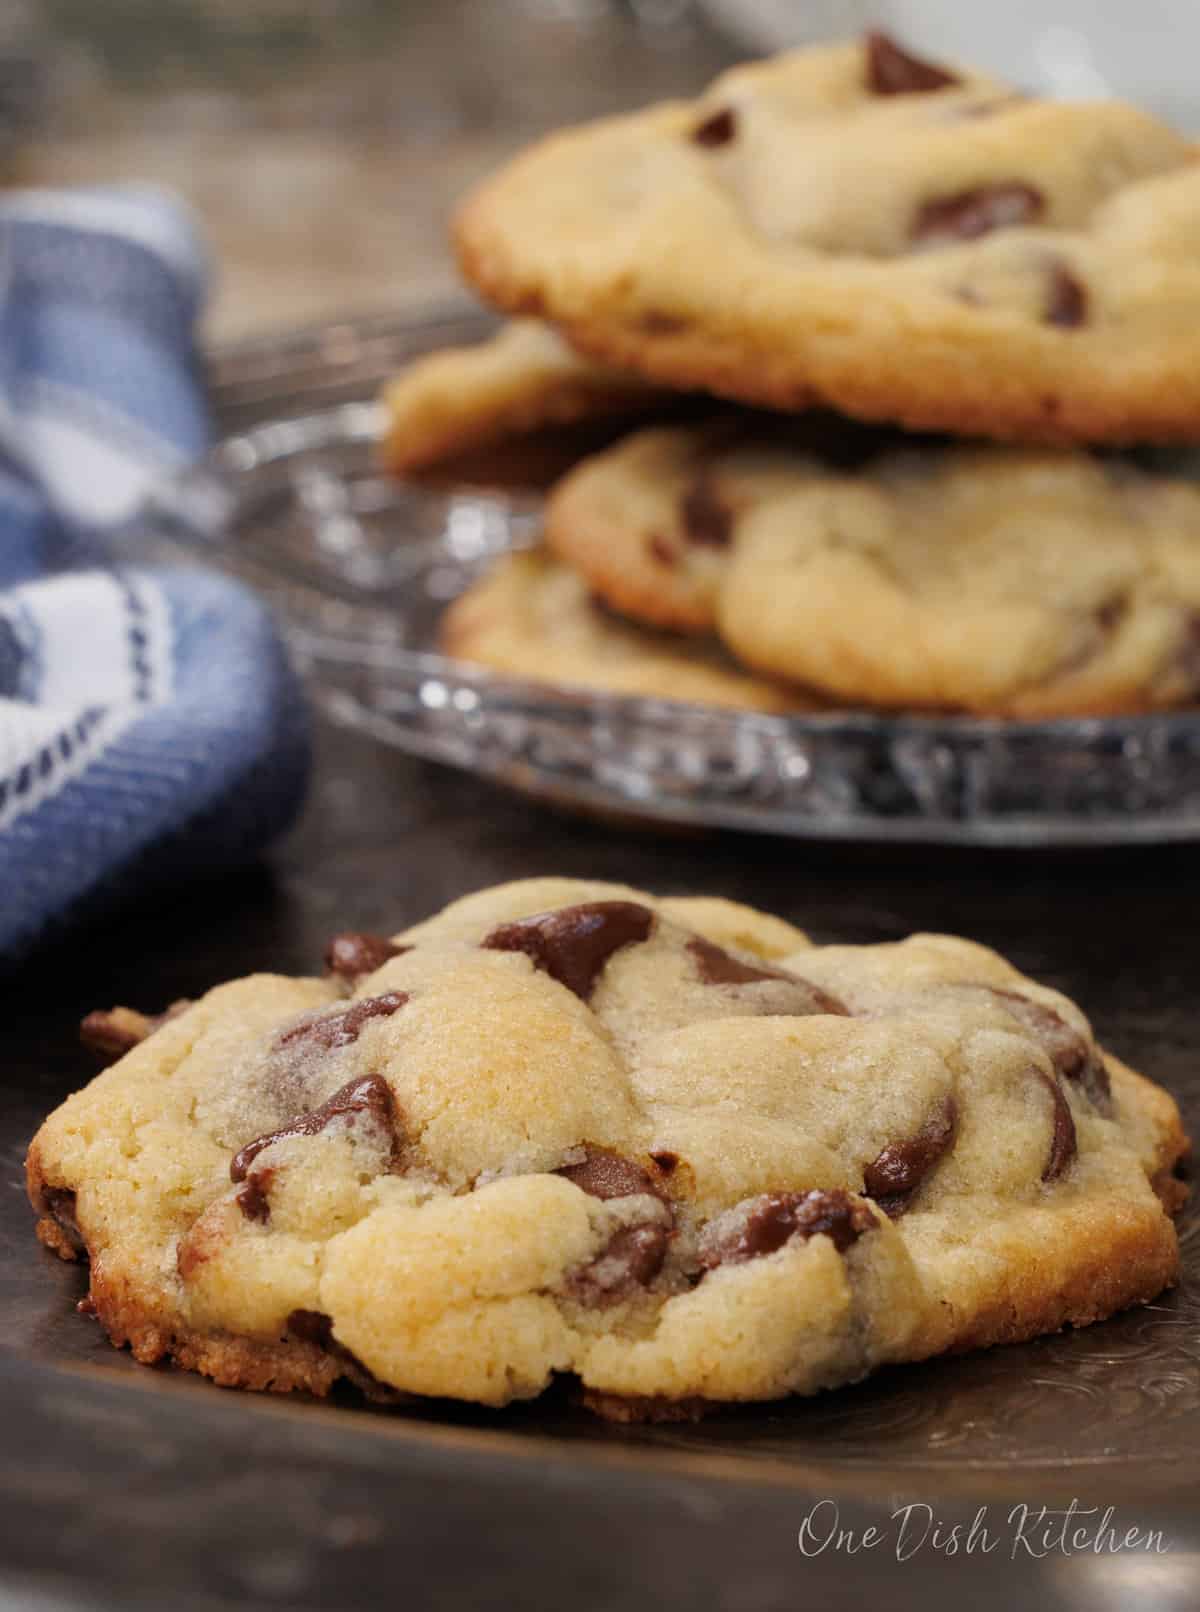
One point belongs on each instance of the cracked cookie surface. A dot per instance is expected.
(902, 241)
(663, 1145)
(1038, 582)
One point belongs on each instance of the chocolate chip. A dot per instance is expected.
(716, 966)
(1063, 1145)
(312, 1326)
(1067, 303)
(716, 130)
(659, 549)
(759, 1226)
(113, 1032)
(1068, 1049)
(316, 1328)
(707, 520)
(605, 1174)
(892, 71)
(1112, 612)
(370, 1095)
(342, 1028)
(354, 953)
(634, 1255)
(252, 1200)
(573, 944)
(972, 213)
(631, 1259)
(667, 1161)
(59, 1204)
(898, 1170)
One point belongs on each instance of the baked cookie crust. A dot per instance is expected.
(940, 252)
(663, 1146)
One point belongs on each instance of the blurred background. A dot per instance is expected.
(324, 141)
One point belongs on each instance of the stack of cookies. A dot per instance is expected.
(799, 294)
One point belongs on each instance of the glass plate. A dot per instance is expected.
(361, 567)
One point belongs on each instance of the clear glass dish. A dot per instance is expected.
(361, 567)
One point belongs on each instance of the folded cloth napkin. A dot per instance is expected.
(150, 726)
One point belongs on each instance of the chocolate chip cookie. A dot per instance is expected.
(1035, 582)
(531, 617)
(650, 521)
(524, 379)
(903, 240)
(663, 1147)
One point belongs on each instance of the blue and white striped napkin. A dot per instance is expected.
(150, 726)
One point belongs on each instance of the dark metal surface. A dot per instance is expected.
(122, 1486)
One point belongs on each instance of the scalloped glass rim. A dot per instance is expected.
(360, 566)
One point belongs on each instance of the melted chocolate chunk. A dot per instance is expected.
(1067, 1049)
(718, 129)
(252, 1200)
(370, 1095)
(896, 1173)
(342, 1028)
(707, 519)
(716, 966)
(892, 71)
(761, 1225)
(573, 944)
(1063, 1146)
(1067, 303)
(59, 1204)
(354, 953)
(631, 1259)
(605, 1174)
(972, 213)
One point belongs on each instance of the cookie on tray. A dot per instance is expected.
(649, 521)
(662, 1146)
(1036, 582)
(531, 617)
(523, 379)
(901, 240)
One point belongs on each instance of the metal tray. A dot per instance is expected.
(362, 567)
